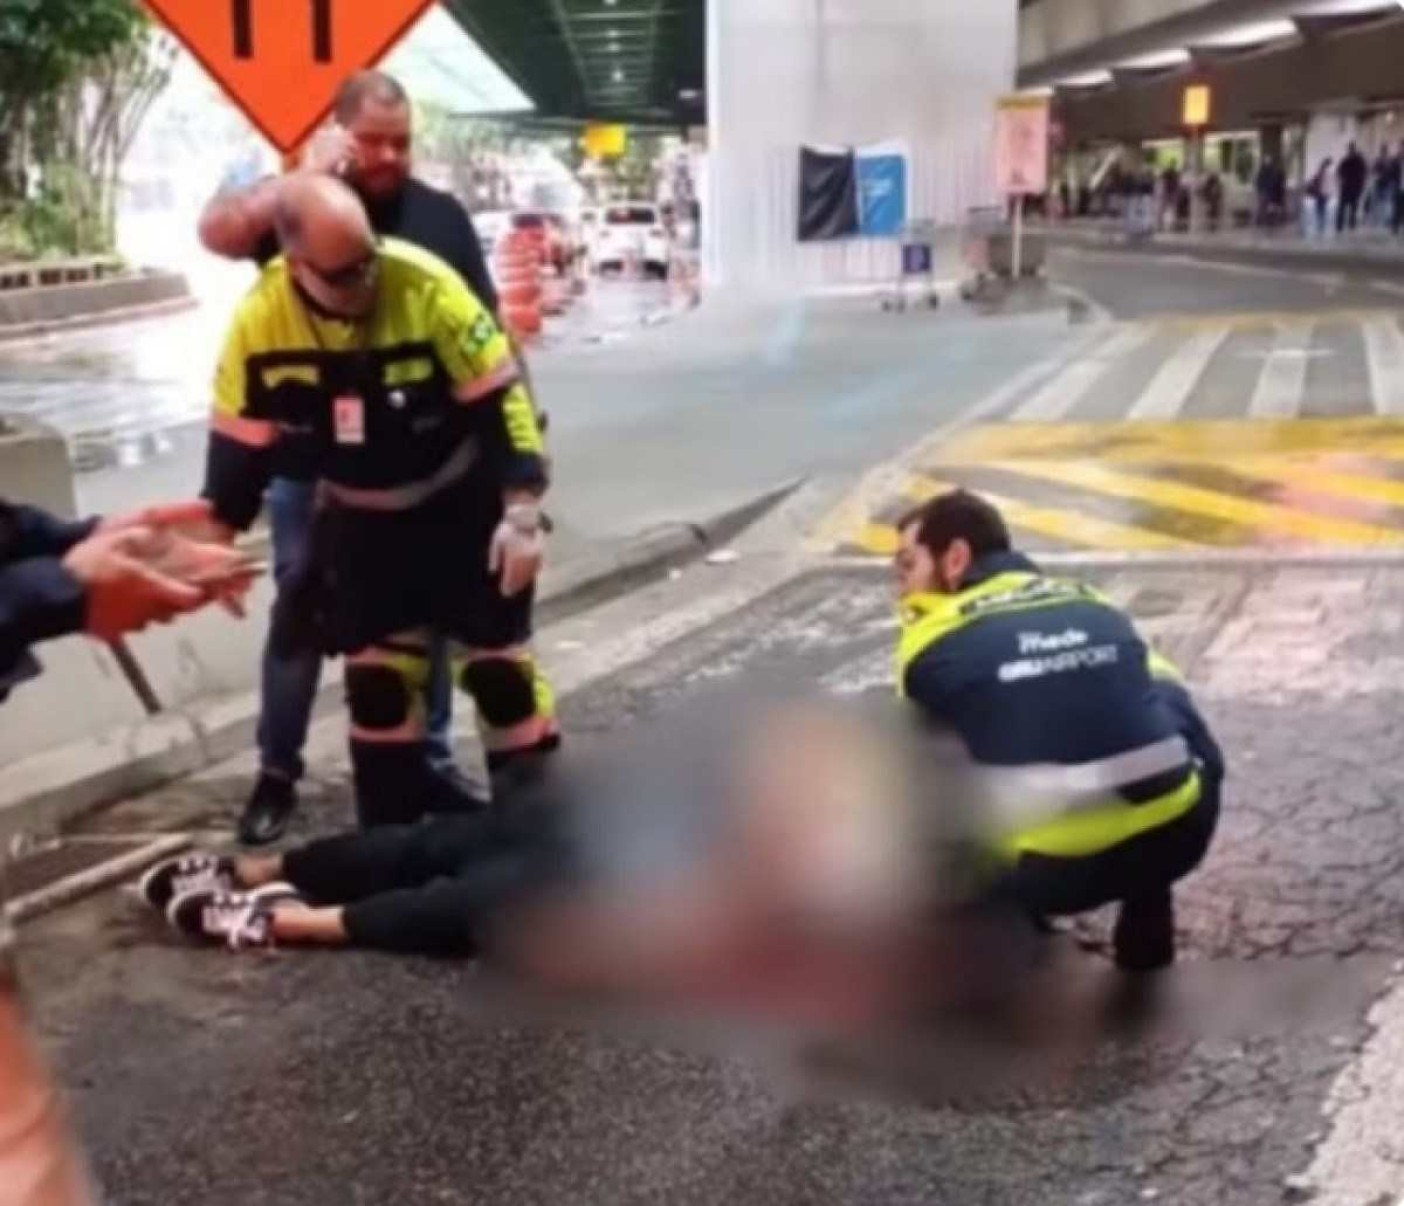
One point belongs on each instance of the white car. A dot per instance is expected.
(632, 233)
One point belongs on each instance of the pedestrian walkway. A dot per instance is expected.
(1249, 431)
(1364, 243)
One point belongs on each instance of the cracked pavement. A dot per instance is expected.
(344, 1078)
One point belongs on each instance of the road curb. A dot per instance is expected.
(1284, 260)
(15, 335)
(60, 786)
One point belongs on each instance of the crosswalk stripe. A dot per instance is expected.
(1307, 475)
(1384, 349)
(1060, 395)
(1283, 379)
(1264, 516)
(1170, 389)
(1071, 526)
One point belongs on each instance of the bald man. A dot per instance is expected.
(368, 144)
(394, 378)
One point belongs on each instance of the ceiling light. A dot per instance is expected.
(1088, 79)
(1250, 34)
(1161, 58)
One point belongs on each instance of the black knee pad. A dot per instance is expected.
(502, 689)
(378, 697)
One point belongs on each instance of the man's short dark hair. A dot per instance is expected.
(958, 515)
(378, 86)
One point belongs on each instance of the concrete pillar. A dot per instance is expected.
(34, 467)
(785, 73)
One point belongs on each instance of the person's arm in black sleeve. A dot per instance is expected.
(30, 532)
(39, 600)
(1174, 696)
(239, 463)
(926, 682)
(469, 260)
(487, 379)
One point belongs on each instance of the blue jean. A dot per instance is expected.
(290, 684)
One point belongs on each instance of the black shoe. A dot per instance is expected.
(238, 920)
(266, 814)
(451, 791)
(188, 873)
(1144, 939)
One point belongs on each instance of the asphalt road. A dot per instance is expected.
(298, 1079)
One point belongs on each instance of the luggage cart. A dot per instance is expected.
(982, 226)
(917, 268)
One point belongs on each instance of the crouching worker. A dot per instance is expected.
(1047, 683)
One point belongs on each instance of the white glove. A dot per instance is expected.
(518, 547)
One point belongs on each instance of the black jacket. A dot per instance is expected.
(39, 598)
(1029, 669)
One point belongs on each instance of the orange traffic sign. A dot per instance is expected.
(282, 61)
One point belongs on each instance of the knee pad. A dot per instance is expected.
(503, 690)
(378, 696)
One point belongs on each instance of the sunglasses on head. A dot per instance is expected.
(348, 276)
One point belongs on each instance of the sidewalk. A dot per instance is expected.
(1286, 247)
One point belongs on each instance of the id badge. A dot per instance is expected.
(349, 420)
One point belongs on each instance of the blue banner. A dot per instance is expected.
(882, 195)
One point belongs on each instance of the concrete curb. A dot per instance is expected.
(54, 310)
(1286, 259)
(61, 785)
(84, 883)
(16, 335)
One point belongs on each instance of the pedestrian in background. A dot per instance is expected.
(1318, 195)
(1352, 175)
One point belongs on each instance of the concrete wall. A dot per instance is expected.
(785, 73)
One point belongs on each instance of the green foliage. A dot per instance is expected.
(45, 43)
(76, 79)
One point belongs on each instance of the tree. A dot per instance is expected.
(95, 118)
(45, 44)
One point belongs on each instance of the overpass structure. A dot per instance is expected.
(1315, 73)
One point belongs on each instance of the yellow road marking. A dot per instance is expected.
(1311, 475)
(877, 538)
(1263, 516)
(1171, 441)
(1071, 526)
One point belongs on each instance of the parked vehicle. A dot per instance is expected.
(632, 233)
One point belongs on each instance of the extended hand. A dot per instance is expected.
(124, 593)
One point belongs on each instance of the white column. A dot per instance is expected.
(786, 73)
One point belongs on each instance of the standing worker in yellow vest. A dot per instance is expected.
(430, 466)
(1049, 685)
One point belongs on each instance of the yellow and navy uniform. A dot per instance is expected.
(414, 421)
(1035, 671)
(382, 405)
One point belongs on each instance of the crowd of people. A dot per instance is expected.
(1354, 192)
(1337, 196)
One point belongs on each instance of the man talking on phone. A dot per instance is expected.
(369, 146)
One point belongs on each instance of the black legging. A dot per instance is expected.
(426, 888)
